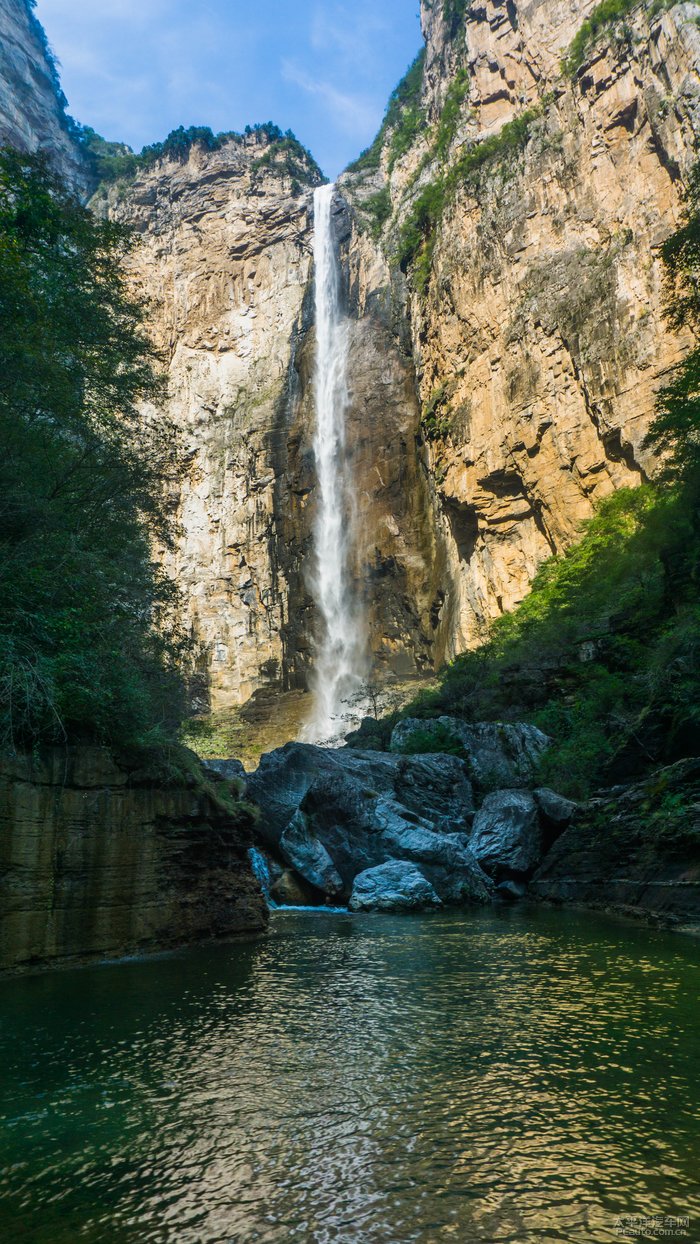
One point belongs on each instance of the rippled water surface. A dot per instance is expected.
(489, 1076)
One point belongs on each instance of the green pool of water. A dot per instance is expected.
(505, 1075)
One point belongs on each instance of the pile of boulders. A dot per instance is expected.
(394, 831)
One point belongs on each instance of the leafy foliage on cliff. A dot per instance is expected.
(86, 646)
(454, 12)
(378, 209)
(402, 120)
(286, 155)
(604, 654)
(416, 242)
(48, 52)
(603, 18)
(676, 430)
(114, 161)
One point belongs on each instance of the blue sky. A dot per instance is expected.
(135, 69)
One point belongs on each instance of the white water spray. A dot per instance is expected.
(341, 650)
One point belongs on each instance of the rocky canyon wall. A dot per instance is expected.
(32, 105)
(227, 261)
(96, 861)
(535, 297)
(502, 376)
(503, 363)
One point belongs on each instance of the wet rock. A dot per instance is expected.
(363, 809)
(497, 754)
(555, 810)
(507, 836)
(394, 886)
(303, 850)
(290, 890)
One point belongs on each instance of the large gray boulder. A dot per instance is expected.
(446, 859)
(303, 850)
(507, 836)
(285, 777)
(497, 753)
(336, 813)
(556, 811)
(394, 886)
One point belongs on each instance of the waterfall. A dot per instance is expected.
(261, 871)
(341, 651)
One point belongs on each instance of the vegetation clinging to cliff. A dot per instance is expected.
(600, 18)
(604, 17)
(402, 118)
(604, 654)
(454, 12)
(676, 430)
(416, 241)
(113, 161)
(286, 155)
(87, 644)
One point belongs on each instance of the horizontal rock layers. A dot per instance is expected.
(96, 862)
(633, 850)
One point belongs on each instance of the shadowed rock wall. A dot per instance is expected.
(32, 104)
(93, 864)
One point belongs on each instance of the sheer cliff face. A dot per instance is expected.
(497, 392)
(539, 339)
(32, 105)
(227, 261)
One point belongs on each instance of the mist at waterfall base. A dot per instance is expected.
(340, 665)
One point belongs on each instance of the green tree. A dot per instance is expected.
(87, 645)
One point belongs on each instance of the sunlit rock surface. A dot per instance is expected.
(539, 341)
(32, 104)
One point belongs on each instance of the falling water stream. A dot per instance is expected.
(340, 652)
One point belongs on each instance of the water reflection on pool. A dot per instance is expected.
(498, 1075)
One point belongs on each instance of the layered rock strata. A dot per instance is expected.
(633, 850)
(95, 861)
